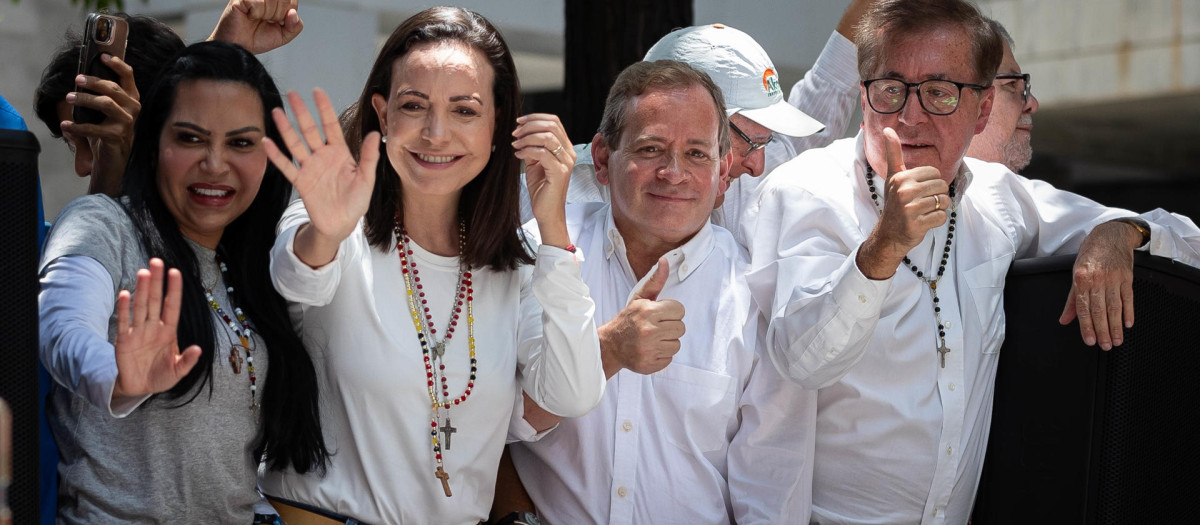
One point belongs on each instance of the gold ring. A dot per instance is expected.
(937, 203)
(557, 150)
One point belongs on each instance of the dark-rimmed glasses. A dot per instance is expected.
(1018, 76)
(754, 146)
(938, 97)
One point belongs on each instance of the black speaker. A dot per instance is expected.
(1084, 436)
(18, 313)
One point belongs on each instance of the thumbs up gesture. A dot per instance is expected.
(644, 336)
(915, 201)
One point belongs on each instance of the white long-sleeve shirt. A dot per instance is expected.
(354, 317)
(827, 93)
(712, 437)
(900, 439)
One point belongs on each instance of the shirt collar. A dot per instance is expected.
(683, 260)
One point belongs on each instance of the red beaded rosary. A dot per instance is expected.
(432, 350)
(243, 332)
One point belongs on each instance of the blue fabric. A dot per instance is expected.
(9, 118)
(47, 449)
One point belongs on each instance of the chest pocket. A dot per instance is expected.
(697, 404)
(986, 285)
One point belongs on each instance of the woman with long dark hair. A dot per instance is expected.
(431, 323)
(147, 432)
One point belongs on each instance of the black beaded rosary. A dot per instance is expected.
(942, 350)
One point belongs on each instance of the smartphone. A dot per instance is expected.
(101, 34)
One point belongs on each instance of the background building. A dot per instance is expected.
(1118, 80)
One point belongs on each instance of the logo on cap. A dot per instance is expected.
(771, 83)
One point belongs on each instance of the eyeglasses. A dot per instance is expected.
(1018, 76)
(938, 97)
(754, 146)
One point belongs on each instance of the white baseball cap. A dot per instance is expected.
(743, 71)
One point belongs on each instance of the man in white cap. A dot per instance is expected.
(767, 126)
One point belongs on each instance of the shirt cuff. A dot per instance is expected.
(302, 268)
(556, 256)
(838, 61)
(859, 295)
(519, 429)
(106, 382)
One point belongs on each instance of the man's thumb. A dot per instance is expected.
(895, 154)
(655, 283)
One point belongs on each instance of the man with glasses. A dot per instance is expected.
(880, 261)
(1006, 137)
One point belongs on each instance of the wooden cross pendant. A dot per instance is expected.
(447, 431)
(942, 351)
(235, 360)
(442, 475)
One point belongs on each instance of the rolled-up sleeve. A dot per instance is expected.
(829, 93)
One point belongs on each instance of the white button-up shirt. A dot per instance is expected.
(899, 438)
(712, 437)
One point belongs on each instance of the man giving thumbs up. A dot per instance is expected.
(695, 424)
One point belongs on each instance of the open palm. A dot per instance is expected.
(335, 189)
(147, 351)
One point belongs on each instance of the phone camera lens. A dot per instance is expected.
(103, 30)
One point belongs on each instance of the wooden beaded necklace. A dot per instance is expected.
(432, 350)
(942, 349)
(243, 332)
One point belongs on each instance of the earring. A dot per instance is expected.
(493, 148)
(383, 139)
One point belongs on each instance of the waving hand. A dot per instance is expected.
(335, 188)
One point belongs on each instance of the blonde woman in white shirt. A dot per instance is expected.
(411, 281)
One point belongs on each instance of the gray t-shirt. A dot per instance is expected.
(191, 464)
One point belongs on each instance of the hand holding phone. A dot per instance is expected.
(101, 34)
(104, 107)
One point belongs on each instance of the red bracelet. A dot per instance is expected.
(570, 248)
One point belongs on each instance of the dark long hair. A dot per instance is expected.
(289, 430)
(490, 203)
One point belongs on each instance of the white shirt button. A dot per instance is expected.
(949, 451)
(832, 351)
(950, 386)
(683, 267)
(947, 323)
(627, 425)
(862, 298)
(622, 492)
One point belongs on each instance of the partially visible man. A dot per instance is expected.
(696, 426)
(880, 262)
(1007, 135)
(101, 149)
